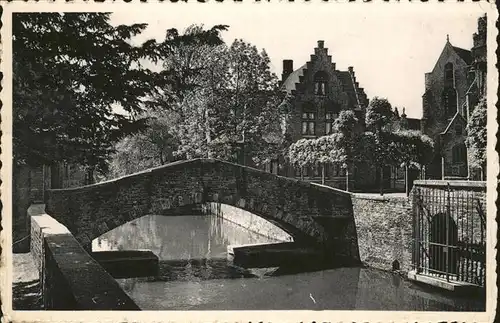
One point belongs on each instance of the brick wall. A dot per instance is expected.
(384, 228)
(28, 184)
(71, 279)
(310, 213)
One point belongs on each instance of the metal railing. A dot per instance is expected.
(449, 234)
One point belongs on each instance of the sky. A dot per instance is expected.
(390, 49)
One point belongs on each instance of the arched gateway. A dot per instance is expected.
(311, 213)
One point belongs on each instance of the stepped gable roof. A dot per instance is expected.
(347, 82)
(465, 54)
(345, 77)
(289, 84)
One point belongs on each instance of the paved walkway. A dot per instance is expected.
(26, 289)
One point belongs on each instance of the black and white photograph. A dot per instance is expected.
(249, 162)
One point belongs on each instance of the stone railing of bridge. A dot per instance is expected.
(70, 278)
(311, 213)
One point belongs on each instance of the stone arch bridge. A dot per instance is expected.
(312, 214)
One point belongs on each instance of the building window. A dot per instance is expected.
(458, 130)
(297, 171)
(319, 88)
(448, 75)
(450, 101)
(309, 123)
(330, 119)
(320, 83)
(459, 153)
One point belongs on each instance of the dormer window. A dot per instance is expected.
(320, 83)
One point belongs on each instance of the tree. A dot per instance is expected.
(235, 108)
(69, 71)
(414, 149)
(476, 137)
(378, 116)
(176, 109)
(301, 154)
(320, 151)
(345, 125)
(252, 96)
(148, 148)
(194, 74)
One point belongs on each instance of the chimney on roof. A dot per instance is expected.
(321, 44)
(287, 69)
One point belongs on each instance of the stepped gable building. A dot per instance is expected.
(320, 91)
(452, 90)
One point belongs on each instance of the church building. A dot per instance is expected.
(452, 90)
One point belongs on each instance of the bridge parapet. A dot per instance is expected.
(309, 212)
(70, 278)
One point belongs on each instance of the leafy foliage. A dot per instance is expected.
(70, 70)
(248, 112)
(215, 101)
(413, 148)
(151, 147)
(476, 135)
(378, 114)
(345, 125)
(71, 73)
(348, 146)
(310, 152)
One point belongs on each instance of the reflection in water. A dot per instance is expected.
(195, 275)
(179, 237)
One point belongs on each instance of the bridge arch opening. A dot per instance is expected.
(250, 221)
(194, 236)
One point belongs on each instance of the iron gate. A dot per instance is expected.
(449, 232)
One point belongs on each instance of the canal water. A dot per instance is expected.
(195, 274)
